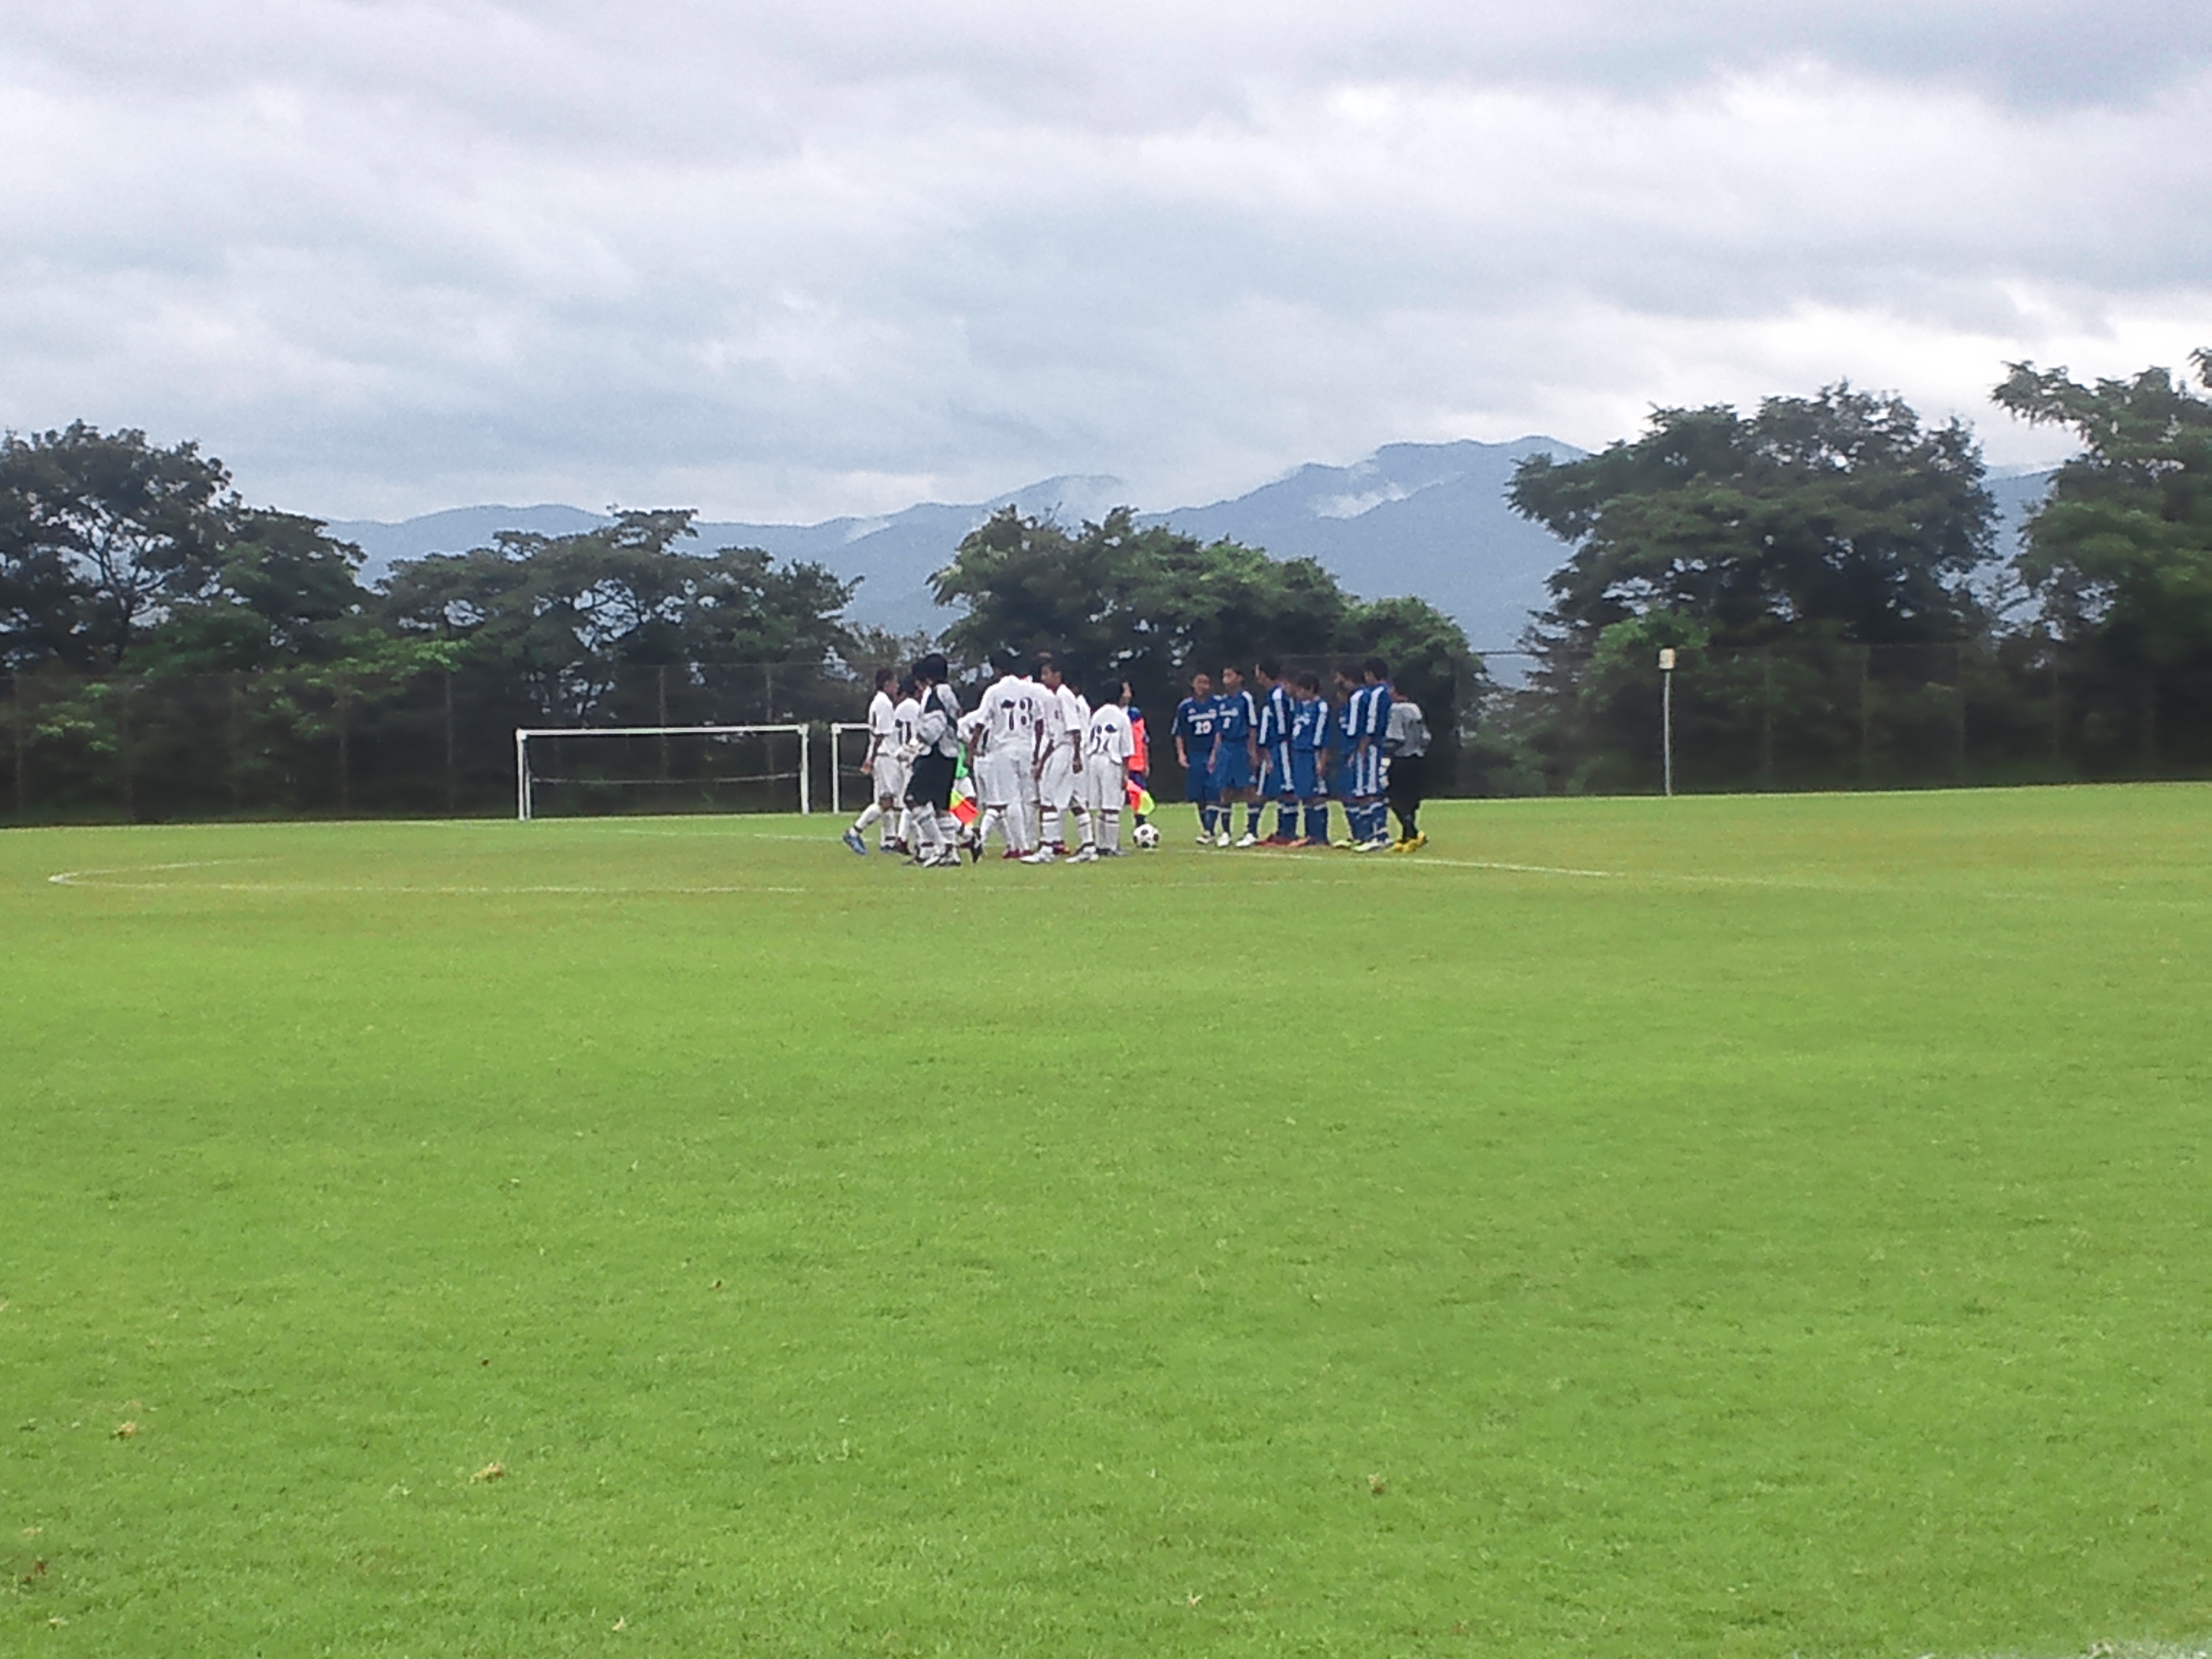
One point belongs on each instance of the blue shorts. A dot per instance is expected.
(1198, 779)
(1279, 785)
(1233, 767)
(1364, 771)
(1305, 774)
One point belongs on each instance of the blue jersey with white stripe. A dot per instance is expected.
(1310, 726)
(1233, 714)
(1194, 720)
(1367, 712)
(1275, 718)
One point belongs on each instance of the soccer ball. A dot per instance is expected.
(1146, 835)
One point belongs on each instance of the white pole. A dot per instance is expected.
(805, 779)
(1667, 719)
(521, 776)
(836, 795)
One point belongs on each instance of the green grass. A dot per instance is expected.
(1793, 1241)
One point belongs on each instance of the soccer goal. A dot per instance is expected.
(575, 770)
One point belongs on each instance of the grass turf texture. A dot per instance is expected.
(1792, 1242)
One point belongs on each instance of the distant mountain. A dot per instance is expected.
(894, 554)
(1429, 520)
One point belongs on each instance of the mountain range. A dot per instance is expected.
(1430, 519)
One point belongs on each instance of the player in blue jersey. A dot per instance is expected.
(1341, 743)
(1192, 732)
(1312, 724)
(1235, 718)
(1274, 745)
(1366, 723)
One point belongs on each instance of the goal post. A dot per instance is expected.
(605, 776)
(837, 730)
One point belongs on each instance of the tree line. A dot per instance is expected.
(1825, 568)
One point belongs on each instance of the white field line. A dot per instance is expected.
(96, 879)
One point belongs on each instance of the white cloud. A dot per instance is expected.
(785, 261)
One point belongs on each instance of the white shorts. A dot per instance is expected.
(1060, 784)
(891, 778)
(1002, 779)
(1104, 787)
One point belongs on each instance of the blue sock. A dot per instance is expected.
(1252, 819)
(1287, 822)
(1316, 824)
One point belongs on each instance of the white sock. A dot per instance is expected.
(1083, 826)
(1051, 836)
(925, 833)
(867, 818)
(1109, 832)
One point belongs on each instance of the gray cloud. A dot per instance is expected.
(776, 261)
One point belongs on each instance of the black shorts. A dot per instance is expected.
(1409, 778)
(931, 782)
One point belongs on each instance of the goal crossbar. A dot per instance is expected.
(524, 802)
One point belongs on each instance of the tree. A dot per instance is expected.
(101, 534)
(1837, 513)
(1150, 603)
(1826, 524)
(281, 591)
(2121, 551)
(562, 617)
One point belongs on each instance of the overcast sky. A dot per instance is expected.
(792, 261)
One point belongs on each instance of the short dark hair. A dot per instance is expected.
(931, 668)
(908, 688)
(1044, 660)
(883, 674)
(1376, 668)
(1309, 681)
(1271, 667)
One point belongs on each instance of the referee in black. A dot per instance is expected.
(1406, 751)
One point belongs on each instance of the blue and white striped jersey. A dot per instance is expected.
(1275, 717)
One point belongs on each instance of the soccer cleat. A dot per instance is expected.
(1042, 855)
(852, 839)
(1222, 839)
(1206, 838)
(1412, 843)
(1346, 845)
(1088, 855)
(1247, 839)
(1312, 841)
(1280, 840)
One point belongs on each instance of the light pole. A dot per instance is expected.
(1666, 718)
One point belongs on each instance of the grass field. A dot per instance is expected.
(1728, 1226)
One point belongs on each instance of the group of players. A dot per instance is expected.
(1038, 754)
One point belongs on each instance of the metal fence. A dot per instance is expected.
(314, 742)
(1824, 715)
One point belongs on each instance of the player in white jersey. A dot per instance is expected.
(1059, 779)
(882, 766)
(1008, 754)
(904, 716)
(1109, 741)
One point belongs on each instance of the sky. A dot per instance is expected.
(782, 262)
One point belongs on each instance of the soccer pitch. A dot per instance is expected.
(1722, 1226)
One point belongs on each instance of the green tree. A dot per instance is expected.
(562, 618)
(1837, 520)
(2121, 551)
(1148, 603)
(100, 535)
(1837, 512)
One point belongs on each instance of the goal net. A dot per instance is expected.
(577, 771)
